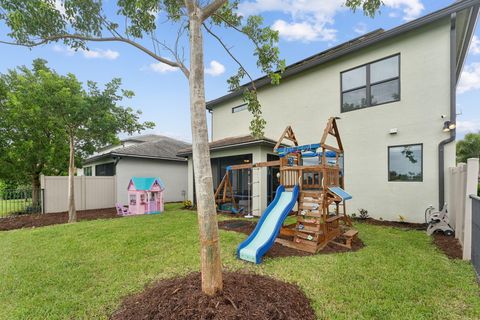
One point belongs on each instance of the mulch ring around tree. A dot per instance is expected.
(244, 296)
(46, 219)
(277, 250)
(447, 244)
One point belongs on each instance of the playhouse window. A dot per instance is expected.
(405, 163)
(142, 198)
(133, 199)
(371, 84)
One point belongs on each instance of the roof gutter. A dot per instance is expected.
(231, 146)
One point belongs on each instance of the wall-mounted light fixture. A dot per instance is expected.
(393, 131)
(448, 125)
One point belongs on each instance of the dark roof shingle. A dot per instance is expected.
(231, 142)
(153, 147)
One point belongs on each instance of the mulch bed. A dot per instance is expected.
(244, 296)
(447, 244)
(396, 224)
(277, 250)
(47, 219)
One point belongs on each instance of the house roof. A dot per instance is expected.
(352, 46)
(146, 183)
(232, 142)
(152, 147)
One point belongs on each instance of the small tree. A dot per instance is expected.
(90, 119)
(37, 22)
(469, 147)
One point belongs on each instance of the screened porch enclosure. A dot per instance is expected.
(241, 180)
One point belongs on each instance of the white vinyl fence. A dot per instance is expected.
(90, 193)
(463, 183)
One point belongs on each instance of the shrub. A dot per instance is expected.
(363, 214)
(187, 204)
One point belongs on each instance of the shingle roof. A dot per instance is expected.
(231, 142)
(351, 46)
(154, 147)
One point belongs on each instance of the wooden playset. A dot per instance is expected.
(320, 211)
(145, 195)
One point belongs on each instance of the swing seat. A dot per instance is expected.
(235, 211)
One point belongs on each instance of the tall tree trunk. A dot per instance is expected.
(211, 265)
(35, 189)
(72, 214)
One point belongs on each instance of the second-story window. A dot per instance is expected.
(371, 84)
(239, 108)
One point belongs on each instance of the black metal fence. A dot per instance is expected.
(476, 234)
(20, 201)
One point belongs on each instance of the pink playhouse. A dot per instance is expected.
(145, 195)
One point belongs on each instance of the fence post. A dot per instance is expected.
(471, 188)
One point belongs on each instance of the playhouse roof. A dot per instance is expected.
(146, 183)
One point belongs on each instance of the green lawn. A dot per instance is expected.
(11, 206)
(82, 271)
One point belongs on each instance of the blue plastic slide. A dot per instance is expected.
(267, 229)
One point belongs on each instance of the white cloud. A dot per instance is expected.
(470, 78)
(303, 31)
(162, 67)
(100, 54)
(215, 68)
(360, 28)
(468, 126)
(89, 54)
(411, 8)
(475, 45)
(312, 20)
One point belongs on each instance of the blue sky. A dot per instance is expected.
(306, 27)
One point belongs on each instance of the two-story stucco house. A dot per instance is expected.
(394, 92)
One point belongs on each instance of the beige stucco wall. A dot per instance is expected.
(307, 100)
(172, 173)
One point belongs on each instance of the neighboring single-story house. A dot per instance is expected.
(142, 156)
(394, 92)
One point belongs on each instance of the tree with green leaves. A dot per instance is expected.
(469, 147)
(79, 22)
(31, 143)
(48, 120)
(90, 119)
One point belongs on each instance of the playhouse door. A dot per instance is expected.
(152, 204)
